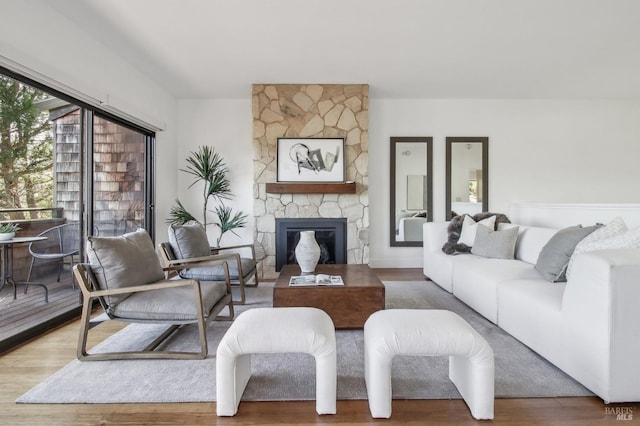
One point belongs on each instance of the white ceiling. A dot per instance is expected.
(402, 48)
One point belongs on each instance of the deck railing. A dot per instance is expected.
(16, 215)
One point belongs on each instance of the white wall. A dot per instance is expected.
(226, 125)
(551, 151)
(42, 40)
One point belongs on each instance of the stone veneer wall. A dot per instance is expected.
(311, 111)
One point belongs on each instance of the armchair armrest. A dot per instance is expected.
(217, 250)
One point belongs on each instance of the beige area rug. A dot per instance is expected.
(519, 371)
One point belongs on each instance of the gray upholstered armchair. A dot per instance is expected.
(188, 246)
(125, 275)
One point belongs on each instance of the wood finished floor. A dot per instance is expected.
(28, 365)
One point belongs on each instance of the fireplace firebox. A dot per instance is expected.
(331, 235)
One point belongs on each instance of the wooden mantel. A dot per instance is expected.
(312, 188)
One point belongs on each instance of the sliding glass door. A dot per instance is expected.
(119, 178)
(61, 162)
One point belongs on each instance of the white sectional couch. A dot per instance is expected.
(589, 326)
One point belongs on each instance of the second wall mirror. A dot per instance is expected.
(467, 174)
(411, 201)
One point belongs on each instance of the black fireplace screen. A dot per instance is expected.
(330, 234)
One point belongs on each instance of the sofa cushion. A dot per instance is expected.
(124, 261)
(495, 244)
(530, 241)
(475, 281)
(438, 267)
(554, 256)
(469, 227)
(531, 311)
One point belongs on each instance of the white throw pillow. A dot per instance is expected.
(469, 228)
(598, 239)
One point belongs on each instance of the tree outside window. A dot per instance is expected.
(26, 148)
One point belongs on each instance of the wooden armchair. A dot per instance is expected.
(188, 245)
(126, 277)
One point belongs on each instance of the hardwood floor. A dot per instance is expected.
(28, 365)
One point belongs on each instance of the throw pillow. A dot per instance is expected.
(554, 256)
(495, 244)
(470, 226)
(124, 261)
(452, 246)
(594, 241)
(189, 240)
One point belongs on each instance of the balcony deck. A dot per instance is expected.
(19, 317)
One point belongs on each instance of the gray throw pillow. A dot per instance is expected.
(495, 244)
(124, 261)
(555, 255)
(189, 240)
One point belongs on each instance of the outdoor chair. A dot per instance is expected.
(125, 276)
(63, 241)
(188, 245)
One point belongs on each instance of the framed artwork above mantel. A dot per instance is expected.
(310, 160)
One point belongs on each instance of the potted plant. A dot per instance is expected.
(8, 231)
(207, 167)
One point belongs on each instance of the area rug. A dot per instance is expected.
(519, 372)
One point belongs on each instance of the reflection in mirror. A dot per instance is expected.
(467, 188)
(411, 189)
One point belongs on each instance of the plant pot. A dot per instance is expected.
(5, 236)
(307, 252)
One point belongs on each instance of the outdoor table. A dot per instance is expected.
(7, 265)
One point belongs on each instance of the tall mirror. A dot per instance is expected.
(467, 189)
(411, 201)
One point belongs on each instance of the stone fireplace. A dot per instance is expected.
(330, 234)
(313, 111)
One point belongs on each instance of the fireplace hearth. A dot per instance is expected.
(330, 233)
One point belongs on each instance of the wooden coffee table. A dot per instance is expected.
(348, 305)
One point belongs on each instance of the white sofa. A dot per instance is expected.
(589, 326)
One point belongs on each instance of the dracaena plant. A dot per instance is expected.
(208, 169)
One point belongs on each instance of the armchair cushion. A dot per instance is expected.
(216, 273)
(124, 261)
(169, 304)
(189, 240)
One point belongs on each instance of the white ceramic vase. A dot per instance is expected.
(307, 252)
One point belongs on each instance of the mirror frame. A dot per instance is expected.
(392, 185)
(485, 170)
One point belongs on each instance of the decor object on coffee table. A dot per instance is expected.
(276, 330)
(126, 277)
(430, 333)
(307, 252)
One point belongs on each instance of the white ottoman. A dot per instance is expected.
(427, 332)
(276, 330)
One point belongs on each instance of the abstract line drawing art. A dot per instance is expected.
(310, 160)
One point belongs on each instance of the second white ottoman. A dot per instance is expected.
(431, 333)
(275, 330)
